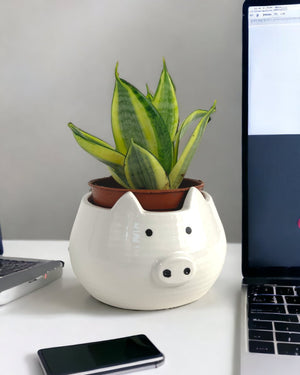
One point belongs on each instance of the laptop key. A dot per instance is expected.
(272, 308)
(260, 325)
(293, 300)
(266, 347)
(289, 349)
(288, 337)
(260, 335)
(275, 317)
(285, 290)
(260, 289)
(294, 309)
(290, 327)
(265, 298)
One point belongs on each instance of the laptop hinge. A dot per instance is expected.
(271, 280)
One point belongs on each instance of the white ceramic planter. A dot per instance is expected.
(145, 260)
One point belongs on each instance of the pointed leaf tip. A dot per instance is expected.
(164, 63)
(149, 93)
(165, 101)
(188, 152)
(135, 117)
(116, 70)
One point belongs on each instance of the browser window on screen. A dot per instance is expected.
(274, 135)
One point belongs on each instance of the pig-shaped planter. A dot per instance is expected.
(136, 259)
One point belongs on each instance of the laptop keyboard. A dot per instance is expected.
(8, 266)
(273, 319)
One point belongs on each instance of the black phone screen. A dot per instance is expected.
(116, 354)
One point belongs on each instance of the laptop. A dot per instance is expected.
(270, 323)
(20, 276)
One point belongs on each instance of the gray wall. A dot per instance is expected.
(57, 61)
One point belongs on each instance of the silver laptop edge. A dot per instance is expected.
(17, 284)
(26, 287)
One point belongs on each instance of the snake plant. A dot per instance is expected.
(147, 134)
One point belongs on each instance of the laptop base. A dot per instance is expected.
(270, 334)
(38, 282)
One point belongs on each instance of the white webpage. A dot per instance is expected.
(274, 70)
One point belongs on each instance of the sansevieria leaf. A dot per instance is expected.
(118, 174)
(135, 117)
(178, 172)
(165, 101)
(143, 170)
(98, 148)
(196, 115)
(149, 93)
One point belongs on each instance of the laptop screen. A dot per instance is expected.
(271, 138)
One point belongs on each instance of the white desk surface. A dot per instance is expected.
(199, 338)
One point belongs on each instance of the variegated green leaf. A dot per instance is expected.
(134, 117)
(118, 174)
(178, 172)
(98, 148)
(196, 115)
(165, 101)
(149, 93)
(143, 170)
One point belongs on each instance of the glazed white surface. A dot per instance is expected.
(119, 264)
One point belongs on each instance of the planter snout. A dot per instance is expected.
(174, 270)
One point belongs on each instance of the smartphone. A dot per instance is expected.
(102, 357)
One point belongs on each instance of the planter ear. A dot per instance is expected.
(127, 203)
(194, 199)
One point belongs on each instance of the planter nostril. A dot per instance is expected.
(167, 273)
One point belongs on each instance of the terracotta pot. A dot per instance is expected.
(106, 192)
